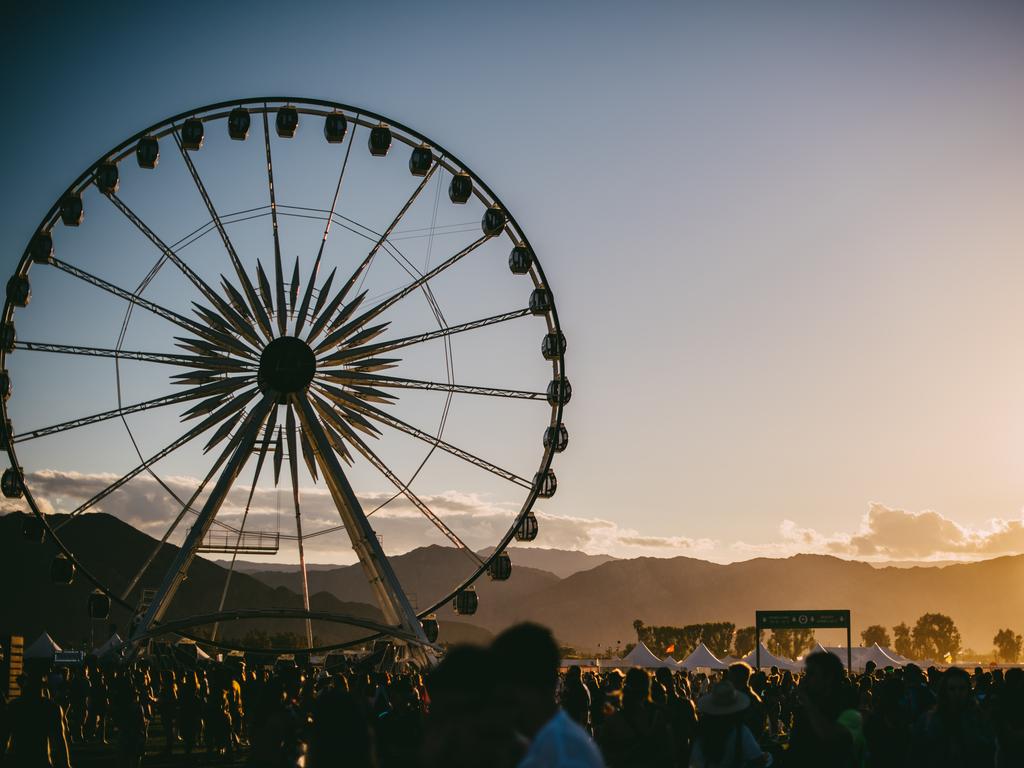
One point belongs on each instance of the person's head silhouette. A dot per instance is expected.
(525, 659)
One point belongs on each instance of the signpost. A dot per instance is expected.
(802, 620)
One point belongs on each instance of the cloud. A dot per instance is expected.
(478, 520)
(897, 534)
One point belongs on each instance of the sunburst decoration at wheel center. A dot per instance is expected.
(317, 348)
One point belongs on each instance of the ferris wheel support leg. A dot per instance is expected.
(392, 599)
(176, 574)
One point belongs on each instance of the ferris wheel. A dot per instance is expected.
(292, 299)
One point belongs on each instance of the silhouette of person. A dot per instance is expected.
(827, 729)
(638, 734)
(35, 732)
(723, 738)
(465, 728)
(575, 698)
(955, 732)
(525, 660)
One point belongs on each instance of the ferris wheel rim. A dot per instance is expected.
(305, 106)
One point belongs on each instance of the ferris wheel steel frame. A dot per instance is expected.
(229, 326)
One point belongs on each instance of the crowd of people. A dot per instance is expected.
(508, 705)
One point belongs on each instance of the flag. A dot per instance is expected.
(671, 648)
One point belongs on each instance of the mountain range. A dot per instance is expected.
(586, 607)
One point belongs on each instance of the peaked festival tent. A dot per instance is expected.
(110, 646)
(701, 658)
(43, 648)
(641, 656)
(769, 659)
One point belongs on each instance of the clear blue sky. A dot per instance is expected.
(786, 244)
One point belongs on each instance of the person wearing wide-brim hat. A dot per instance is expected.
(723, 699)
(723, 741)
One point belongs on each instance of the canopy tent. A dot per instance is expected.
(860, 656)
(112, 645)
(43, 648)
(191, 650)
(876, 653)
(670, 662)
(769, 659)
(702, 658)
(641, 656)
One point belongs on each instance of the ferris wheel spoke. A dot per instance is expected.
(282, 318)
(365, 263)
(237, 403)
(293, 471)
(381, 576)
(300, 318)
(232, 317)
(350, 328)
(370, 350)
(183, 361)
(224, 340)
(261, 457)
(227, 385)
(376, 414)
(373, 380)
(253, 301)
(233, 458)
(415, 500)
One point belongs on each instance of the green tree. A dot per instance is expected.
(936, 637)
(903, 644)
(790, 643)
(638, 625)
(743, 641)
(689, 638)
(876, 634)
(256, 638)
(1008, 645)
(717, 636)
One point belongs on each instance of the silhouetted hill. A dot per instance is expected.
(592, 606)
(113, 551)
(428, 573)
(599, 605)
(561, 562)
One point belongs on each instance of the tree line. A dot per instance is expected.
(933, 636)
(722, 638)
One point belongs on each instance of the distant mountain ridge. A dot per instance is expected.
(586, 608)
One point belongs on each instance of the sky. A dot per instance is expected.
(785, 245)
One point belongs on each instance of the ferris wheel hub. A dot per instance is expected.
(287, 365)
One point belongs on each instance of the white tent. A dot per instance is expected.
(769, 659)
(190, 647)
(670, 662)
(43, 648)
(641, 656)
(860, 656)
(701, 658)
(110, 646)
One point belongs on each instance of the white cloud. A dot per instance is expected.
(883, 533)
(479, 521)
(896, 534)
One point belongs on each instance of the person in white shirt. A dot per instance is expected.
(526, 663)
